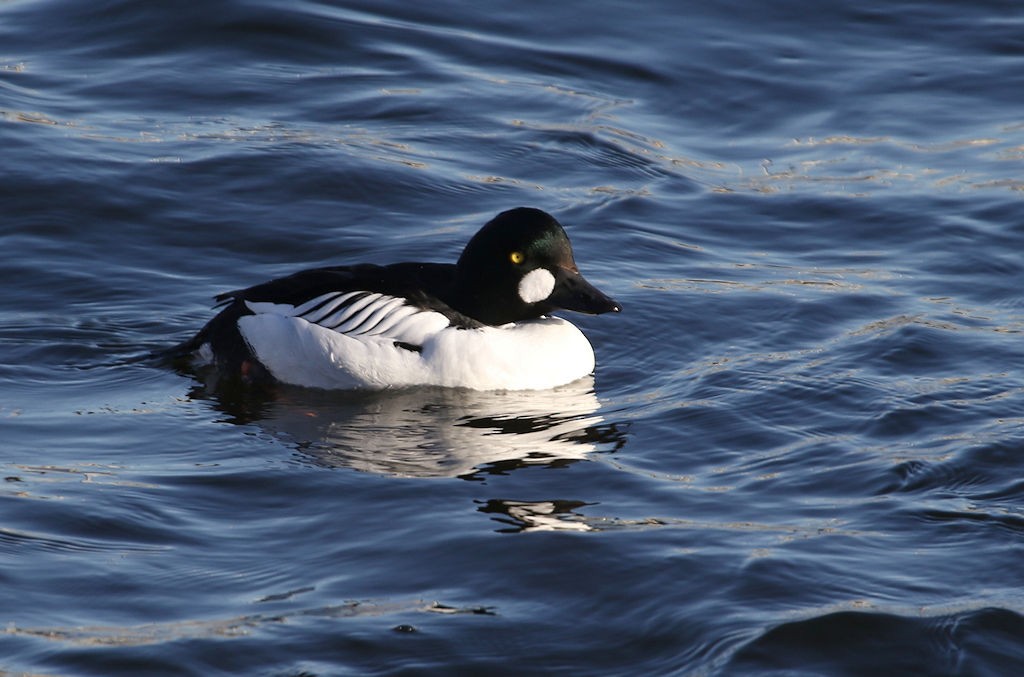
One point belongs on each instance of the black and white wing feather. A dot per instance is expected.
(363, 315)
(402, 304)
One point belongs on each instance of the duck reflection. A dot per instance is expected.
(430, 432)
(523, 516)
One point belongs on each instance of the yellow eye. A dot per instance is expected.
(517, 257)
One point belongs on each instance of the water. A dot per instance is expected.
(803, 447)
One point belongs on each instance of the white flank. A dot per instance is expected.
(536, 285)
(533, 355)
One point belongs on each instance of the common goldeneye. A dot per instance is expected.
(482, 323)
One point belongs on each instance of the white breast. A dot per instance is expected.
(531, 355)
(358, 349)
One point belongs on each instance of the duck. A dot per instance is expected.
(482, 323)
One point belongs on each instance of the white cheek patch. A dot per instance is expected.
(536, 285)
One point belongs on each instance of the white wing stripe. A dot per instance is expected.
(356, 308)
(386, 324)
(318, 313)
(383, 310)
(314, 314)
(362, 315)
(339, 305)
(354, 321)
(313, 304)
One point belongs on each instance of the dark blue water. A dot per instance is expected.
(803, 448)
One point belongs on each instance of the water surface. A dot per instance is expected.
(802, 449)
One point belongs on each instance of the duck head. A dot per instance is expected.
(520, 266)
